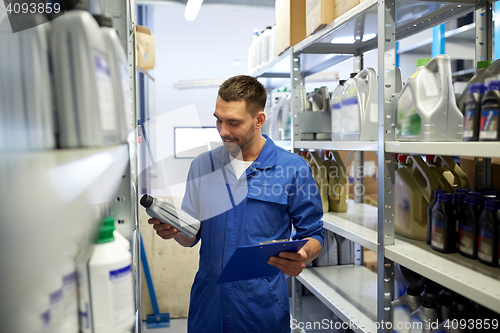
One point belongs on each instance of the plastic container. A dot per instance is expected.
(427, 314)
(450, 170)
(439, 173)
(120, 73)
(336, 102)
(360, 107)
(488, 233)
(490, 107)
(429, 214)
(445, 304)
(338, 180)
(478, 78)
(463, 190)
(444, 226)
(166, 212)
(414, 186)
(472, 114)
(266, 38)
(119, 238)
(81, 65)
(320, 176)
(427, 109)
(403, 307)
(467, 235)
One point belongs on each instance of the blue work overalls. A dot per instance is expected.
(278, 191)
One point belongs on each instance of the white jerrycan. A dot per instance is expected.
(360, 107)
(427, 108)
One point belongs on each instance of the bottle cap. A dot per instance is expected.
(463, 190)
(496, 193)
(430, 158)
(474, 194)
(341, 82)
(459, 196)
(402, 158)
(444, 197)
(484, 64)
(477, 88)
(105, 235)
(109, 222)
(489, 197)
(423, 61)
(147, 201)
(473, 201)
(304, 153)
(491, 204)
(494, 85)
(436, 192)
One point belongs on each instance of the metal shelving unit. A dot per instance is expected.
(368, 26)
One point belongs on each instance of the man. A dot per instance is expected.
(246, 192)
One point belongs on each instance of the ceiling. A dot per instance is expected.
(257, 3)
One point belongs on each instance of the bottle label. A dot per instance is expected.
(466, 239)
(350, 115)
(489, 124)
(410, 123)
(105, 93)
(469, 123)
(122, 292)
(336, 118)
(485, 245)
(438, 236)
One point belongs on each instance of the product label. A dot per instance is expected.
(489, 124)
(69, 295)
(125, 78)
(350, 115)
(438, 237)
(402, 201)
(122, 291)
(466, 239)
(105, 92)
(485, 245)
(431, 89)
(469, 123)
(409, 123)
(45, 317)
(336, 118)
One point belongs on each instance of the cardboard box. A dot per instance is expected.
(350, 4)
(370, 175)
(467, 165)
(145, 42)
(318, 14)
(290, 23)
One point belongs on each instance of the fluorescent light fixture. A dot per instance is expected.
(192, 9)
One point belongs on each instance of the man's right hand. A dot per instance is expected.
(164, 230)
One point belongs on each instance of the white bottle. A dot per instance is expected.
(85, 104)
(121, 82)
(166, 212)
(272, 44)
(336, 101)
(111, 285)
(66, 266)
(119, 238)
(266, 39)
(52, 285)
(427, 108)
(34, 315)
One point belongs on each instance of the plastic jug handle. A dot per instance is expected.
(343, 178)
(460, 176)
(420, 166)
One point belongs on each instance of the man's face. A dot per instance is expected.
(236, 126)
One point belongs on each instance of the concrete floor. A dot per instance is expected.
(176, 326)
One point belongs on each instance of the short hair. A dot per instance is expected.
(247, 88)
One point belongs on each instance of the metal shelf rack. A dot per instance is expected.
(373, 25)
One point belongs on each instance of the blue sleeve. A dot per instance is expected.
(306, 209)
(191, 202)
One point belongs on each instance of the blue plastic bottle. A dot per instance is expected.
(487, 240)
(467, 235)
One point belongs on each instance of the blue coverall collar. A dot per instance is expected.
(265, 160)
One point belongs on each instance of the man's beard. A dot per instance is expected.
(239, 144)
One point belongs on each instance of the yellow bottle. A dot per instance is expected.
(320, 175)
(414, 187)
(454, 175)
(441, 175)
(338, 180)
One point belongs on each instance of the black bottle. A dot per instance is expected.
(490, 107)
(443, 233)
(463, 190)
(429, 214)
(487, 239)
(467, 235)
(472, 115)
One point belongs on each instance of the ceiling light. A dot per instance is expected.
(192, 9)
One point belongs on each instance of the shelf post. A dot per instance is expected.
(386, 132)
(296, 102)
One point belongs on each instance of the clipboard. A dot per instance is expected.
(250, 262)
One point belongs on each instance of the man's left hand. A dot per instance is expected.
(290, 263)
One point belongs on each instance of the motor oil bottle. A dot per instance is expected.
(336, 101)
(432, 289)
(487, 240)
(445, 304)
(320, 176)
(429, 213)
(490, 107)
(427, 314)
(427, 108)
(472, 115)
(404, 306)
(166, 212)
(338, 179)
(467, 234)
(463, 190)
(478, 78)
(459, 210)
(414, 187)
(439, 173)
(360, 107)
(450, 170)
(443, 234)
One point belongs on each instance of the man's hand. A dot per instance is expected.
(164, 230)
(290, 263)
